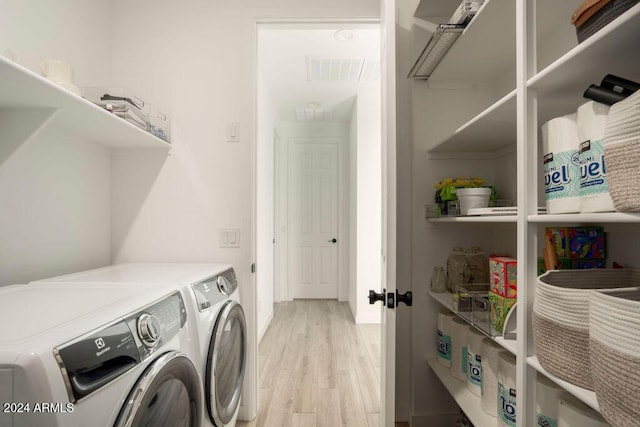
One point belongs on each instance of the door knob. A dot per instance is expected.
(374, 296)
(334, 240)
(406, 298)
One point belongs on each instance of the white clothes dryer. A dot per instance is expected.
(96, 355)
(220, 326)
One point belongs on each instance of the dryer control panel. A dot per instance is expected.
(97, 358)
(214, 289)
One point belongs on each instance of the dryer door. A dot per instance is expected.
(167, 394)
(226, 364)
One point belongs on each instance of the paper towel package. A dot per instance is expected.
(507, 390)
(459, 341)
(594, 190)
(547, 397)
(490, 356)
(444, 338)
(561, 165)
(474, 362)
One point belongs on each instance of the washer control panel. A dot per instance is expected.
(214, 289)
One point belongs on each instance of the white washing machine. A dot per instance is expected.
(96, 355)
(220, 331)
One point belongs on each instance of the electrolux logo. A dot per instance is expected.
(100, 343)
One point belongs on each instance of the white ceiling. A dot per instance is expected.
(307, 65)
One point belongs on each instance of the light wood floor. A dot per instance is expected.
(317, 368)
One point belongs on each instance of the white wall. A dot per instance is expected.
(368, 199)
(353, 211)
(55, 189)
(293, 130)
(265, 206)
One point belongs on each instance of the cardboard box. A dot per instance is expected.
(500, 307)
(503, 276)
(579, 242)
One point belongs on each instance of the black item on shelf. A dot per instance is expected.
(603, 95)
(619, 84)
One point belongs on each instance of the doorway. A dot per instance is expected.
(326, 183)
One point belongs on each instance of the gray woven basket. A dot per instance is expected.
(561, 318)
(614, 318)
(602, 17)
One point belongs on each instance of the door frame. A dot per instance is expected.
(253, 18)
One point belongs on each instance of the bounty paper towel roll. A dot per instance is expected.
(459, 339)
(594, 191)
(547, 397)
(474, 362)
(573, 413)
(444, 339)
(490, 356)
(506, 390)
(561, 165)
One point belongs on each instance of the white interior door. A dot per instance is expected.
(388, 80)
(313, 218)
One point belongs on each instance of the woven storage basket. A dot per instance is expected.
(561, 318)
(622, 153)
(614, 321)
(602, 17)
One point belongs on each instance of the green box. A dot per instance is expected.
(500, 307)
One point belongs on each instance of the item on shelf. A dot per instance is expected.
(547, 394)
(432, 211)
(444, 338)
(438, 280)
(592, 15)
(121, 103)
(614, 344)
(577, 247)
(619, 84)
(59, 73)
(477, 265)
(465, 12)
(622, 151)
(550, 253)
(561, 318)
(561, 165)
(500, 307)
(572, 413)
(594, 190)
(462, 299)
(474, 362)
(439, 44)
(459, 342)
(490, 357)
(158, 124)
(456, 265)
(473, 198)
(603, 95)
(448, 185)
(503, 276)
(481, 313)
(507, 389)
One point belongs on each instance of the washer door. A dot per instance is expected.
(226, 363)
(167, 394)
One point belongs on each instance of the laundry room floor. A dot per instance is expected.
(318, 368)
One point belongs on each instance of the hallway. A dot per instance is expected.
(318, 368)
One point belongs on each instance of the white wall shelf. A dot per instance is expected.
(470, 404)
(560, 85)
(588, 218)
(497, 219)
(586, 396)
(491, 130)
(23, 91)
(444, 298)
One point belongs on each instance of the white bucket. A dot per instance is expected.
(473, 198)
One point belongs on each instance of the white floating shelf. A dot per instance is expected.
(606, 218)
(445, 299)
(586, 396)
(497, 219)
(470, 404)
(560, 85)
(24, 90)
(491, 130)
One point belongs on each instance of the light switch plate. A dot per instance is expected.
(229, 237)
(233, 132)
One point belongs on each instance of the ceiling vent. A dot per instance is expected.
(312, 114)
(336, 69)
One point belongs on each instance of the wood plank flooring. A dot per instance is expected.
(317, 368)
